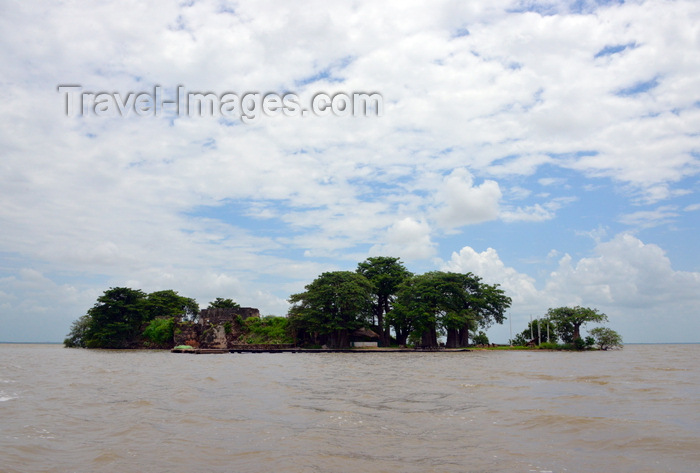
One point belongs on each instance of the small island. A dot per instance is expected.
(380, 305)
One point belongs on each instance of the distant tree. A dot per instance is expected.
(606, 338)
(221, 303)
(116, 318)
(481, 339)
(333, 306)
(531, 332)
(120, 316)
(451, 304)
(169, 304)
(569, 320)
(78, 333)
(385, 274)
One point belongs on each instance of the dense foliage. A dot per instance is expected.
(121, 315)
(606, 338)
(566, 323)
(333, 306)
(569, 320)
(383, 295)
(266, 330)
(386, 275)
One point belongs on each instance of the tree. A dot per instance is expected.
(221, 303)
(169, 304)
(120, 316)
(78, 333)
(569, 320)
(606, 338)
(451, 303)
(385, 274)
(532, 333)
(116, 318)
(333, 306)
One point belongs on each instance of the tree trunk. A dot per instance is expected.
(401, 336)
(452, 338)
(464, 336)
(577, 331)
(429, 338)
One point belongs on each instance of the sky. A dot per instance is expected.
(552, 147)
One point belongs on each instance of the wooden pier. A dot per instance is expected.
(212, 351)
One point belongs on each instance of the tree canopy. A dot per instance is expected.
(606, 338)
(120, 316)
(332, 307)
(382, 295)
(386, 274)
(221, 303)
(569, 320)
(448, 303)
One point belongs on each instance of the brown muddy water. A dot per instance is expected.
(68, 410)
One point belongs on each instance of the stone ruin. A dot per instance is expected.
(216, 328)
(220, 316)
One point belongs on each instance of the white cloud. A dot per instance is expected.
(488, 265)
(407, 238)
(462, 203)
(632, 282)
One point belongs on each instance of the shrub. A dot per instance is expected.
(160, 331)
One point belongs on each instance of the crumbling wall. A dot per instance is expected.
(187, 333)
(217, 328)
(218, 315)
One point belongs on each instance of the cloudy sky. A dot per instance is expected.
(549, 146)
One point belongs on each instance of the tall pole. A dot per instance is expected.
(511, 331)
(532, 337)
(548, 331)
(539, 333)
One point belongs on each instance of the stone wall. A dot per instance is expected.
(216, 328)
(218, 316)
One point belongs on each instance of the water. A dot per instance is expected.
(635, 410)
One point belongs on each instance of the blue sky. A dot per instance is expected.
(549, 146)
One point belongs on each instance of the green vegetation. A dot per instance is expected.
(606, 338)
(383, 295)
(126, 318)
(332, 307)
(220, 303)
(385, 274)
(569, 320)
(267, 330)
(160, 332)
(566, 323)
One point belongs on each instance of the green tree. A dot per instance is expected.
(451, 304)
(120, 316)
(221, 303)
(160, 332)
(606, 338)
(569, 320)
(116, 318)
(77, 337)
(531, 332)
(385, 274)
(169, 304)
(332, 307)
(481, 338)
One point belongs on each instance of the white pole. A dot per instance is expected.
(511, 331)
(539, 333)
(531, 335)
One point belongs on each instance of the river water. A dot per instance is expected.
(69, 410)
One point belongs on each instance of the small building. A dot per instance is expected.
(364, 338)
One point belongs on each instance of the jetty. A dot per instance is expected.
(212, 351)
